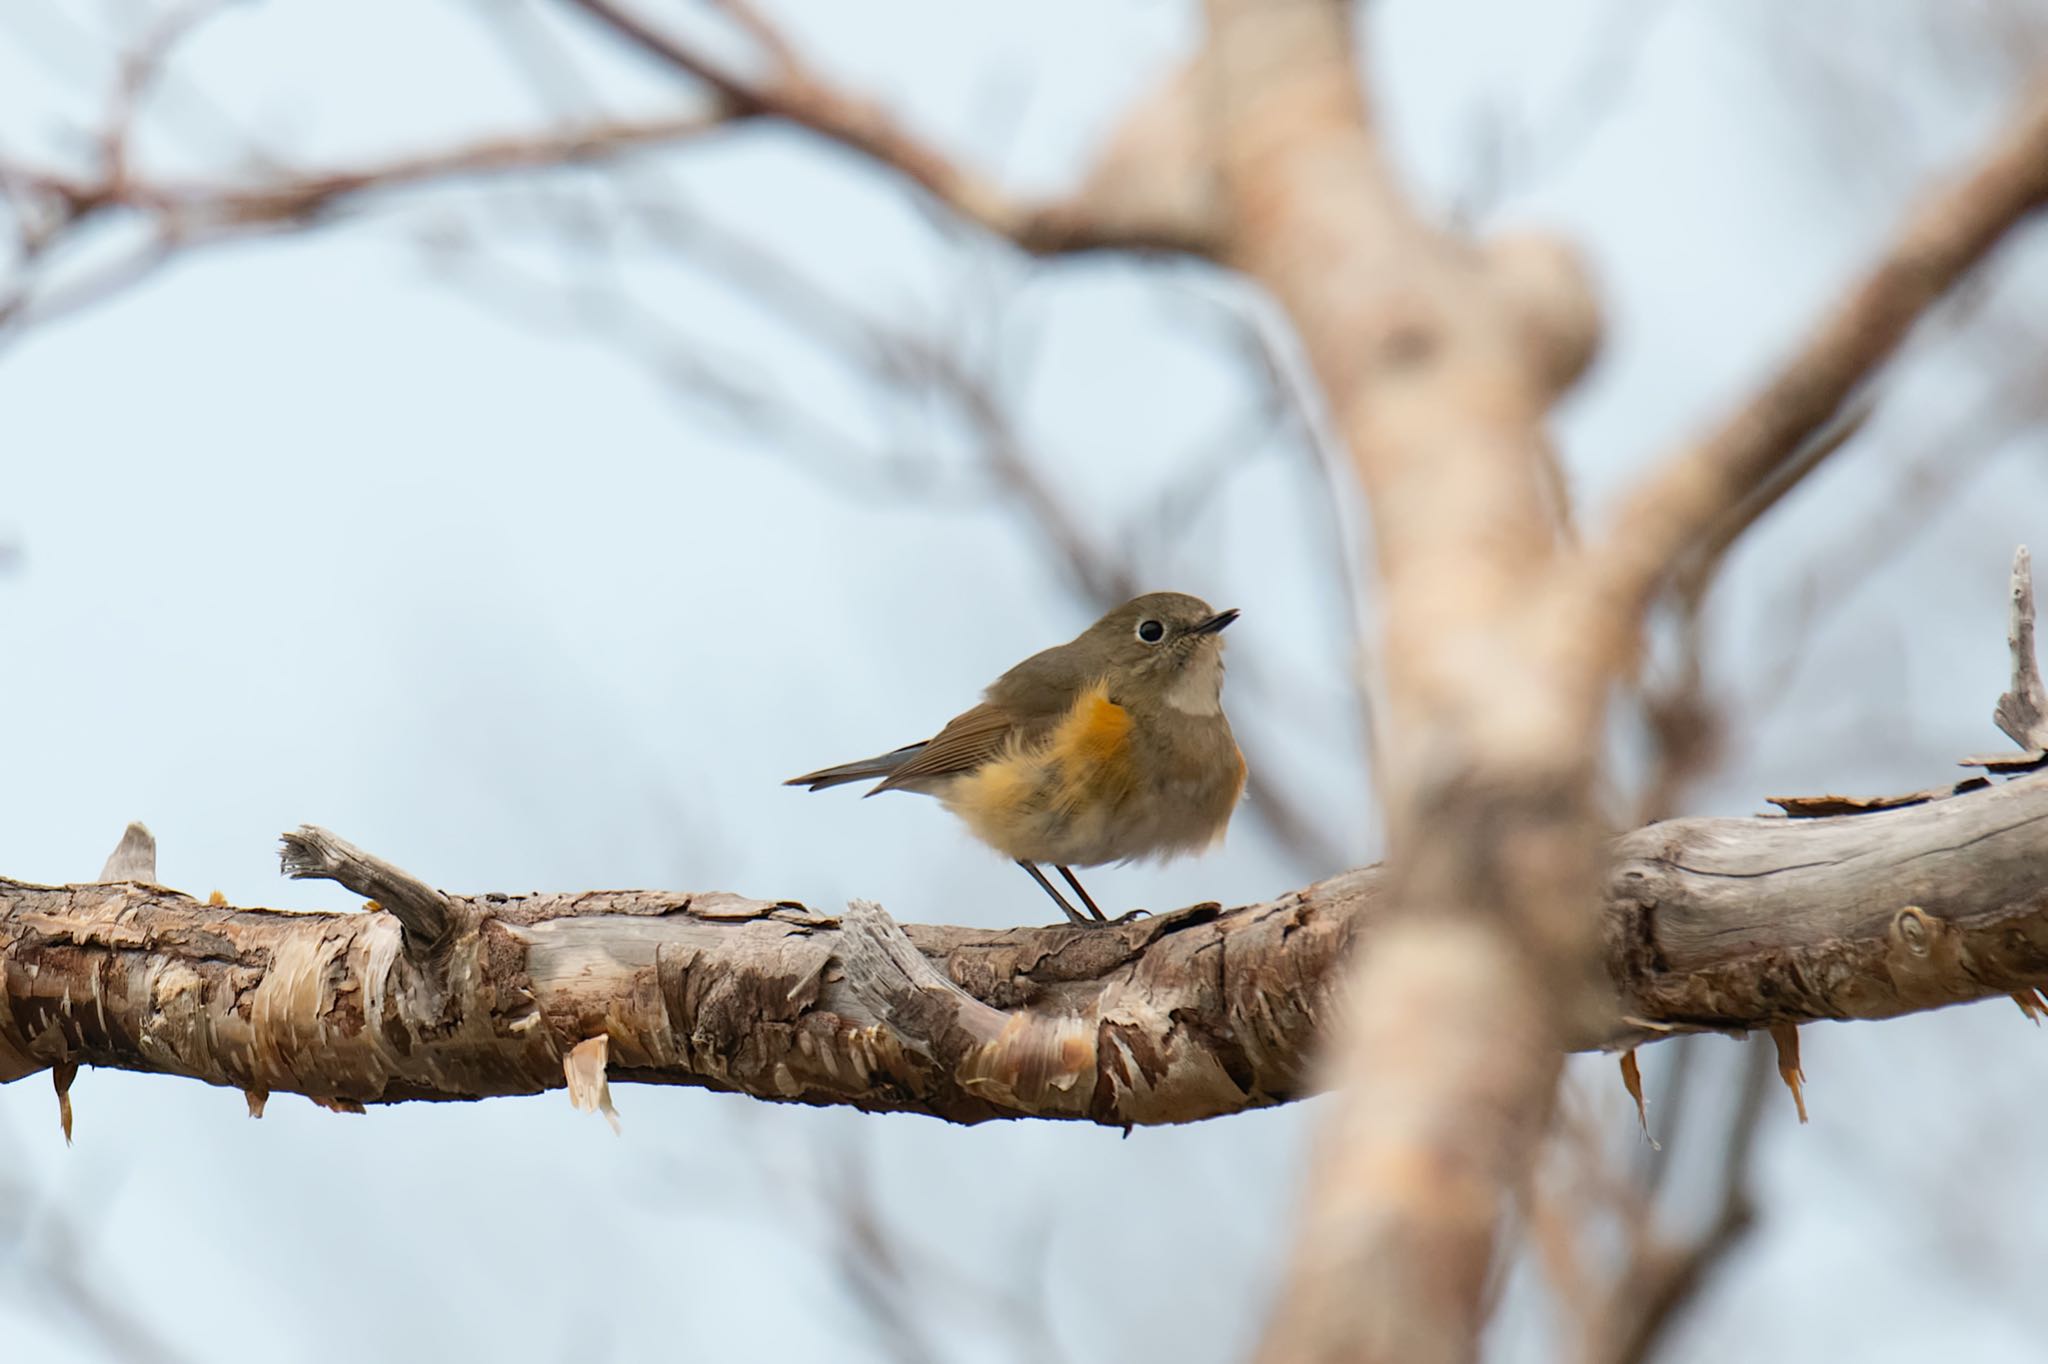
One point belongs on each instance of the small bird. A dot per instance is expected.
(1108, 748)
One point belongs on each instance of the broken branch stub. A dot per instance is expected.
(312, 853)
(133, 858)
(2022, 712)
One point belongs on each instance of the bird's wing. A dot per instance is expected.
(968, 740)
(1022, 706)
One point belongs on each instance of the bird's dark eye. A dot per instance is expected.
(1151, 631)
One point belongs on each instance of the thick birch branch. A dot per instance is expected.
(1709, 924)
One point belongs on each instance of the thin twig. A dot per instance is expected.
(187, 215)
(1663, 1281)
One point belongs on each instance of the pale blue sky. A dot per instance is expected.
(315, 531)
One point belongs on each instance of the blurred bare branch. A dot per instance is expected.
(49, 1264)
(897, 360)
(1867, 113)
(1676, 508)
(869, 1260)
(55, 208)
(1928, 472)
(1518, 150)
(895, 1281)
(1423, 343)
(1686, 724)
(1661, 1277)
(1601, 1231)
(57, 1271)
(794, 93)
(177, 217)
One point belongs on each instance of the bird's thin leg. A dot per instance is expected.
(1081, 891)
(1057, 898)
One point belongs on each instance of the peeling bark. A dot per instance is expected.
(1709, 924)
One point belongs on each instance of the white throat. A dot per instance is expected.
(1199, 688)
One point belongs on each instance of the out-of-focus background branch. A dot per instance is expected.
(256, 270)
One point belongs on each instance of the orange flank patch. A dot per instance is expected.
(1026, 801)
(1091, 752)
(1095, 734)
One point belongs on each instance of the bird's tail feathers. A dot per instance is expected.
(867, 769)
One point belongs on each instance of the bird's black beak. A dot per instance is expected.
(1215, 622)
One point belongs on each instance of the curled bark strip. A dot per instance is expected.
(1632, 1081)
(1810, 807)
(61, 1076)
(589, 1090)
(1785, 1036)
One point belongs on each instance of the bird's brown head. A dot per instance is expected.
(1164, 646)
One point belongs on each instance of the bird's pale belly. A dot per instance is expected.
(1098, 791)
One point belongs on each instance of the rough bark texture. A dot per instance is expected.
(1746, 923)
(1709, 924)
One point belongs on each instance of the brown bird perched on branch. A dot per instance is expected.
(1108, 748)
